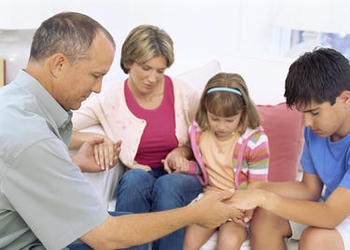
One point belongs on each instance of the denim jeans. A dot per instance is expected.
(140, 191)
(83, 246)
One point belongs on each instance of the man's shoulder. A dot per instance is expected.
(21, 125)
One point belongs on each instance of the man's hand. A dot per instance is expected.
(85, 158)
(212, 211)
(106, 153)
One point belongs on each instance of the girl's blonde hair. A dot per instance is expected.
(231, 98)
(143, 43)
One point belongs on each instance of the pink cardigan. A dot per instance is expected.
(109, 109)
(250, 157)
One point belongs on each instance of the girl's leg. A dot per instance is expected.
(231, 236)
(196, 236)
(134, 191)
(172, 191)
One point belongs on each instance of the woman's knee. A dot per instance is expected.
(136, 178)
(183, 186)
(181, 183)
(174, 190)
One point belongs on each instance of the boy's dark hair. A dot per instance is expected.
(318, 76)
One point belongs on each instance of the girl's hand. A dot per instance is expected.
(248, 215)
(106, 153)
(177, 160)
(175, 163)
(239, 217)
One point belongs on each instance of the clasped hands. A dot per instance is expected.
(97, 154)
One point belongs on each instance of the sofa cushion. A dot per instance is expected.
(198, 77)
(284, 128)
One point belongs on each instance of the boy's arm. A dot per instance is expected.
(309, 188)
(294, 202)
(134, 229)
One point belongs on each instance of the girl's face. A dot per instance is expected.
(146, 78)
(223, 127)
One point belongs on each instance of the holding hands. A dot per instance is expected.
(176, 161)
(247, 199)
(216, 208)
(106, 153)
(97, 154)
(212, 210)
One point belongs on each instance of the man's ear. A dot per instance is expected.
(56, 64)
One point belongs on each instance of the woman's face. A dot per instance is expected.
(146, 78)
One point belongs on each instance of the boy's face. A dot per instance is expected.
(326, 120)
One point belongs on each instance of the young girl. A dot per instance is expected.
(229, 143)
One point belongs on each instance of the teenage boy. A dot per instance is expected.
(318, 206)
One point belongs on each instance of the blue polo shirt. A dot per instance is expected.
(44, 198)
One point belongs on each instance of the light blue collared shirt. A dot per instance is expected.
(43, 194)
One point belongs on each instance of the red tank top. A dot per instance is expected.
(158, 138)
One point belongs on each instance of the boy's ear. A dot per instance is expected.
(345, 96)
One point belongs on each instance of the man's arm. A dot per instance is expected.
(135, 229)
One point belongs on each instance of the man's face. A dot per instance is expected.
(84, 76)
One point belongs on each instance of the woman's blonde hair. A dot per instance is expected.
(225, 95)
(143, 43)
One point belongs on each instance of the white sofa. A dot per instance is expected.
(277, 116)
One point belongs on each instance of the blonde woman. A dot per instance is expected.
(150, 114)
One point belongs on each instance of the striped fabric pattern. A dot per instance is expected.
(255, 160)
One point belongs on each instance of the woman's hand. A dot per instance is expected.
(141, 166)
(176, 161)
